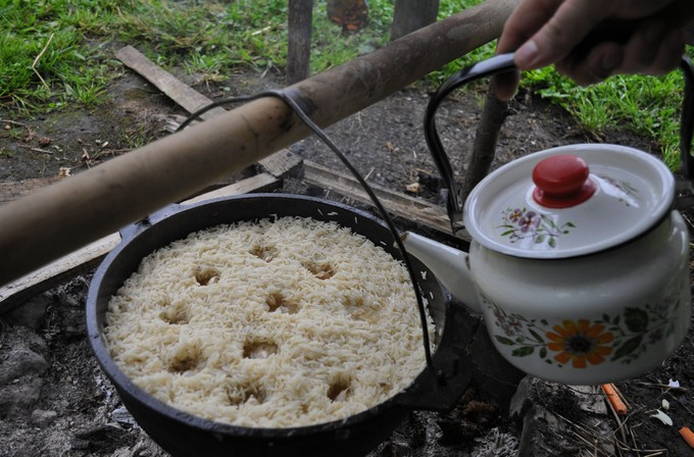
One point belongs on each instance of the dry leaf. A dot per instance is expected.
(662, 417)
(672, 383)
(666, 404)
(415, 187)
(63, 172)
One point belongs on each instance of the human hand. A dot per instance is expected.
(551, 32)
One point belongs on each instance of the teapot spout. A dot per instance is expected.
(450, 266)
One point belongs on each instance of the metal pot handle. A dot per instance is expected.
(454, 200)
(503, 63)
(129, 231)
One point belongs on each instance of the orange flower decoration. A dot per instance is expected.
(580, 342)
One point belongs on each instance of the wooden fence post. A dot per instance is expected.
(299, 47)
(411, 15)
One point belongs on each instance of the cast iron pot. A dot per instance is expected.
(183, 434)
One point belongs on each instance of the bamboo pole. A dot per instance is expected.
(62, 217)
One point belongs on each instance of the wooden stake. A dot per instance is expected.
(410, 15)
(300, 18)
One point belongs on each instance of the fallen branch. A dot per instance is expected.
(7, 121)
(662, 386)
(31, 148)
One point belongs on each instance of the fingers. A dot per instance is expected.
(602, 61)
(569, 25)
(527, 18)
(653, 50)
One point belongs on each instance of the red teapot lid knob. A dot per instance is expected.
(562, 181)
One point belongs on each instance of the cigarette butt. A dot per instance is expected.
(688, 436)
(612, 396)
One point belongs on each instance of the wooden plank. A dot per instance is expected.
(300, 18)
(411, 208)
(17, 292)
(282, 163)
(189, 99)
(12, 190)
(184, 95)
(258, 183)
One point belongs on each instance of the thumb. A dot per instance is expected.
(572, 21)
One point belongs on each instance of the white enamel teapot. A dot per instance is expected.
(579, 258)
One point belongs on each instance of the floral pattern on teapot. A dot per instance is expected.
(583, 342)
(523, 224)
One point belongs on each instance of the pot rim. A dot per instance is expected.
(122, 381)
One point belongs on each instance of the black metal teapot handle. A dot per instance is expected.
(504, 63)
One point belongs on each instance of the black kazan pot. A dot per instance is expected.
(183, 434)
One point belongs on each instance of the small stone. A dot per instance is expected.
(42, 418)
(17, 399)
(123, 452)
(122, 416)
(101, 433)
(521, 399)
(79, 444)
(21, 362)
(32, 313)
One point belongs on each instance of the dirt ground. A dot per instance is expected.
(54, 401)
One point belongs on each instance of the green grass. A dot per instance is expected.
(211, 39)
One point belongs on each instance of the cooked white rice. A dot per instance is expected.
(279, 323)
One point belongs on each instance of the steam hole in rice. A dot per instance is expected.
(320, 270)
(186, 358)
(206, 276)
(245, 394)
(177, 314)
(339, 388)
(254, 349)
(267, 253)
(277, 302)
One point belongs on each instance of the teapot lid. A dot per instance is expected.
(569, 201)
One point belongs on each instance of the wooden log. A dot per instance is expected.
(401, 205)
(60, 218)
(300, 20)
(411, 15)
(17, 292)
(12, 190)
